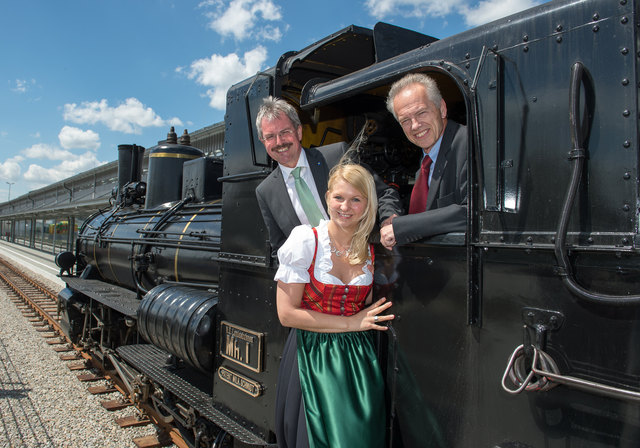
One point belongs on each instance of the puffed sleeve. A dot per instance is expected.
(295, 256)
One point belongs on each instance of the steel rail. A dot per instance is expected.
(13, 278)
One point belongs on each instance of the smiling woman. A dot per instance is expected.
(352, 204)
(324, 293)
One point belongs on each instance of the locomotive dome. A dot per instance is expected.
(166, 160)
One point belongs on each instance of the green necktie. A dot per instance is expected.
(309, 205)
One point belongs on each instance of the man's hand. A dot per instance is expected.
(387, 237)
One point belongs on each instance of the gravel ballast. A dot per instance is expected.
(42, 402)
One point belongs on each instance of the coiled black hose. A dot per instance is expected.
(577, 157)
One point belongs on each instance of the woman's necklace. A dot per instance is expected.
(339, 253)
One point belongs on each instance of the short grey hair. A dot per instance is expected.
(272, 108)
(429, 84)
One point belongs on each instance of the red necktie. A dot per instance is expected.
(418, 202)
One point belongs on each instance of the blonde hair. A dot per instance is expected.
(360, 179)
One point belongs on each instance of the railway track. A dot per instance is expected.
(39, 305)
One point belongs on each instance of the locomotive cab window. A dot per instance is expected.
(430, 127)
(394, 149)
(420, 271)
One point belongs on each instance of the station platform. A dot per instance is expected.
(41, 263)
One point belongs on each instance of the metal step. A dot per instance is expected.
(151, 361)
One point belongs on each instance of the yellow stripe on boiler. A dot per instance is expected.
(175, 261)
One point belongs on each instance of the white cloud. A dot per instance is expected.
(44, 151)
(10, 168)
(73, 165)
(129, 117)
(245, 19)
(219, 72)
(475, 13)
(271, 33)
(41, 173)
(490, 10)
(72, 138)
(412, 8)
(22, 85)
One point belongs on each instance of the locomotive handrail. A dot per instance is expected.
(577, 157)
(554, 378)
(199, 234)
(244, 176)
(476, 76)
(104, 222)
(200, 245)
(166, 243)
(91, 217)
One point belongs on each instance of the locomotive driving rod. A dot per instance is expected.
(547, 378)
(577, 157)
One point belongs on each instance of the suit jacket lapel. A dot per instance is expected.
(441, 163)
(319, 171)
(284, 210)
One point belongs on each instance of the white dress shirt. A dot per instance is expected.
(290, 182)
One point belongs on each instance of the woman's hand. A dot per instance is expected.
(370, 318)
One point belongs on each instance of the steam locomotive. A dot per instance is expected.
(521, 332)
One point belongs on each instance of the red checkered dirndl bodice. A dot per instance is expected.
(339, 300)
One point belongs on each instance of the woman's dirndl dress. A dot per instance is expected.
(330, 391)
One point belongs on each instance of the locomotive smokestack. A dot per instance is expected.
(137, 154)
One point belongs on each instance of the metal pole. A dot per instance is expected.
(9, 196)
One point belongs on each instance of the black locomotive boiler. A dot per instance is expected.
(521, 332)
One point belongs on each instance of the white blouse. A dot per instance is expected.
(296, 254)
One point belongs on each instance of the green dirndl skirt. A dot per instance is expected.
(342, 389)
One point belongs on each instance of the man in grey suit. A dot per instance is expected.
(280, 130)
(439, 197)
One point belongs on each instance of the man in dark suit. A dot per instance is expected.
(439, 197)
(280, 130)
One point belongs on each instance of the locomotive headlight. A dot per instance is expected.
(141, 189)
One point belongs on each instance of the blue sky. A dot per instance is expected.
(80, 77)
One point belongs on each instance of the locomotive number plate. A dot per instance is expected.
(242, 346)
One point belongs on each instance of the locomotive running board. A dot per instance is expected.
(115, 297)
(151, 361)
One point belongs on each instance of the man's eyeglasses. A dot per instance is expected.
(284, 134)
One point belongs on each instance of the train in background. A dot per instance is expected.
(521, 332)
